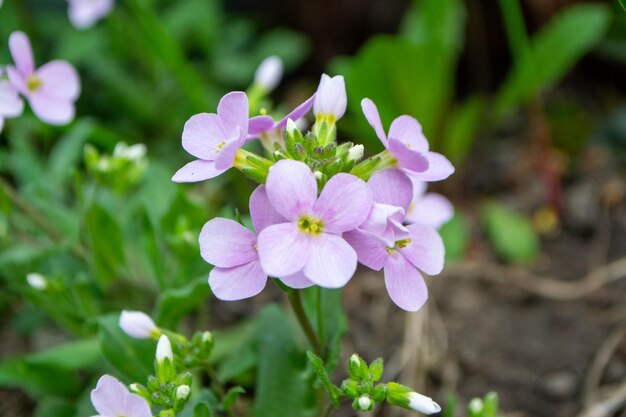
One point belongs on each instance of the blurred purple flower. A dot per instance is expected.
(310, 240)
(408, 145)
(11, 105)
(231, 248)
(85, 13)
(216, 138)
(51, 89)
(431, 209)
(110, 398)
(422, 248)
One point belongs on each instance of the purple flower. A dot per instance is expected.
(11, 105)
(85, 13)
(216, 138)
(232, 249)
(431, 209)
(269, 73)
(110, 398)
(421, 250)
(310, 240)
(408, 145)
(51, 89)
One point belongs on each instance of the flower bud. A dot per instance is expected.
(182, 392)
(422, 403)
(331, 99)
(37, 281)
(363, 403)
(269, 73)
(131, 153)
(138, 325)
(355, 153)
(164, 350)
(357, 367)
(139, 390)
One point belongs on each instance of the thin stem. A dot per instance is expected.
(296, 304)
(329, 410)
(219, 387)
(320, 316)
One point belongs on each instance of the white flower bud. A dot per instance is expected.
(364, 402)
(476, 406)
(164, 349)
(318, 175)
(331, 99)
(291, 127)
(132, 153)
(183, 392)
(269, 73)
(355, 360)
(138, 325)
(355, 153)
(422, 403)
(207, 337)
(37, 281)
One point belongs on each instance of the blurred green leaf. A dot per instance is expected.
(511, 235)
(37, 381)
(455, 235)
(73, 356)
(174, 303)
(66, 155)
(462, 129)
(105, 239)
(54, 407)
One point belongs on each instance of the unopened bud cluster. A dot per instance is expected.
(120, 170)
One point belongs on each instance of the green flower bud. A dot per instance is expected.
(357, 367)
(350, 388)
(363, 403)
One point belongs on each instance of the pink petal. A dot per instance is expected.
(439, 168)
(198, 170)
(373, 118)
(432, 209)
(85, 13)
(22, 53)
(297, 281)
(391, 186)
(291, 188)
(233, 112)
(11, 105)
(297, 113)
(408, 131)
(226, 156)
(408, 159)
(237, 283)
(371, 252)
(108, 396)
(51, 109)
(261, 211)
(426, 250)
(136, 406)
(225, 243)
(17, 80)
(332, 261)
(404, 283)
(385, 223)
(344, 203)
(283, 249)
(59, 79)
(259, 124)
(202, 135)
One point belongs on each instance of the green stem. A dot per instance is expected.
(219, 387)
(320, 316)
(296, 304)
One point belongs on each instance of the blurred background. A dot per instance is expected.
(527, 98)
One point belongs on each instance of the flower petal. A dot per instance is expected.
(432, 209)
(261, 211)
(233, 112)
(297, 281)
(11, 105)
(373, 118)
(439, 168)
(136, 406)
(22, 53)
(297, 113)
(371, 252)
(407, 130)
(59, 79)
(291, 188)
(198, 170)
(344, 203)
(404, 283)
(408, 159)
(283, 249)
(426, 250)
(17, 80)
(332, 261)
(51, 109)
(391, 186)
(225, 243)
(331, 97)
(237, 283)
(108, 396)
(202, 136)
(85, 13)
(259, 124)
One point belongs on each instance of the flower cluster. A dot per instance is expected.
(51, 90)
(319, 210)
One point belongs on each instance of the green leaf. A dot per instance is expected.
(462, 129)
(231, 396)
(455, 235)
(67, 154)
(284, 386)
(449, 410)
(174, 303)
(72, 356)
(37, 380)
(376, 368)
(511, 235)
(554, 51)
(107, 244)
(54, 407)
(132, 358)
(318, 366)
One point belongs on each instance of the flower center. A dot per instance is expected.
(400, 244)
(310, 225)
(33, 83)
(220, 146)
